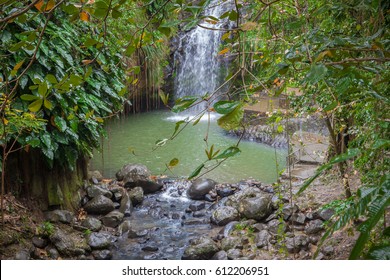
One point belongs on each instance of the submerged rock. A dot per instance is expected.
(201, 248)
(199, 188)
(99, 205)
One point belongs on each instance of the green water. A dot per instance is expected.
(139, 133)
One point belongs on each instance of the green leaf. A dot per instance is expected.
(42, 89)
(196, 171)
(225, 107)
(233, 119)
(29, 97)
(331, 106)
(173, 162)
(60, 123)
(165, 30)
(183, 103)
(317, 73)
(36, 105)
(90, 42)
(229, 152)
(379, 253)
(47, 104)
(233, 15)
(51, 79)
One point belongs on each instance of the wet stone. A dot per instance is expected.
(92, 224)
(95, 190)
(99, 240)
(225, 191)
(197, 206)
(137, 233)
(150, 248)
(199, 214)
(102, 254)
(194, 221)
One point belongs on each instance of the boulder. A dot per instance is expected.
(102, 254)
(138, 175)
(234, 254)
(92, 224)
(63, 216)
(314, 226)
(196, 206)
(95, 190)
(298, 218)
(234, 200)
(199, 188)
(257, 207)
(231, 242)
(137, 233)
(99, 205)
(112, 219)
(262, 239)
(276, 226)
(69, 243)
(99, 240)
(126, 207)
(124, 227)
(221, 255)
(136, 195)
(22, 255)
(225, 191)
(224, 215)
(297, 243)
(229, 228)
(326, 214)
(39, 242)
(201, 248)
(95, 174)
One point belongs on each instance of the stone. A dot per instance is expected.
(137, 233)
(259, 227)
(224, 215)
(95, 174)
(231, 242)
(138, 175)
(229, 228)
(209, 198)
(262, 239)
(99, 205)
(126, 206)
(327, 250)
(296, 243)
(221, 255)
(102, 254)
(288, 210)
(124, 227)
(99, 240)
(298, 218)
(258, 207)
(136, 195)
(39, 242)
(196, 206)
(199, 214)
(53, 253)
(199, 188)
(22, 255)
(225, 191)
(234, 254)
(194, 221)
(92, 223)
(112, 219)
(95, 190)
(276, 226)
(118, 196)
(201, 248)
(63, 216)
(150, 248)
(69, 243)
(326, 214)
(314, 226)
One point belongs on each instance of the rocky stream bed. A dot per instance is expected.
(137, 217)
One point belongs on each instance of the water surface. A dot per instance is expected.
(132, 140)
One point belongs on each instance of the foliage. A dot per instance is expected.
(46, 229)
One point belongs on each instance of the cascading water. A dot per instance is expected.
(199, 69)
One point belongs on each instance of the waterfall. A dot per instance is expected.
(199, 68)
